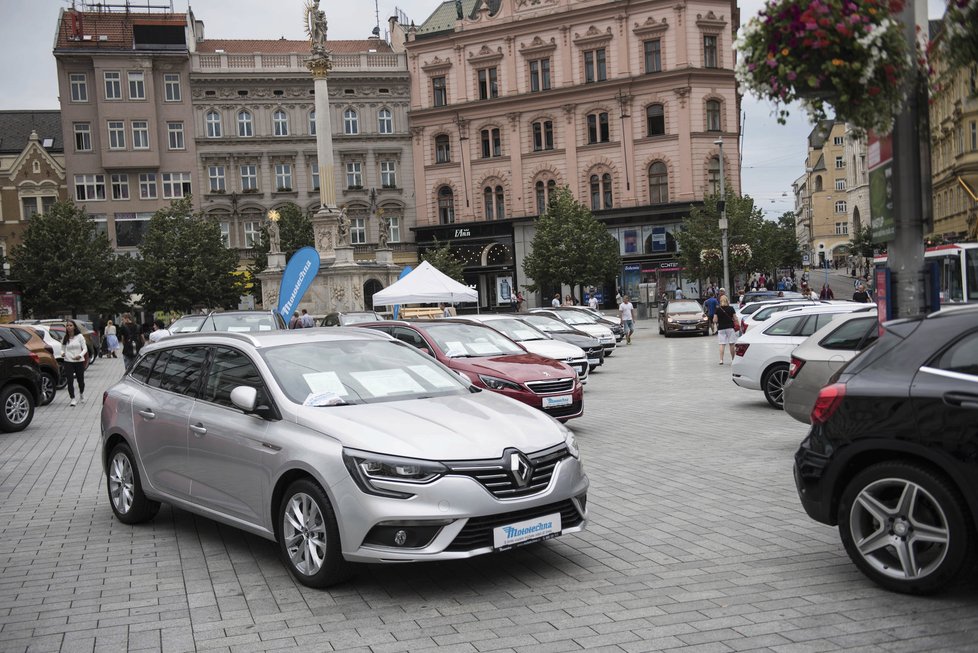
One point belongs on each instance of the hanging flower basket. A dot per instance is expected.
(959, 37)
(740, 255)
(850, 55)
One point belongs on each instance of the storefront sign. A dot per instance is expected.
(662, 266)
(459, 232)
(633, 267)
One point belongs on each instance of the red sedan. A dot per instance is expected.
(492, 361)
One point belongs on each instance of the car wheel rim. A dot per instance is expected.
(775, 385)
(121, 485)
(304, 532)
(899, 529)
(17, 408)
(47, 387)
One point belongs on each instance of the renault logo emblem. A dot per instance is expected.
(520, 468)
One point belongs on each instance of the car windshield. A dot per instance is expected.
(241, 322)
(57, 332)
(188, 324)
(357, 318)
(545, 323)
(685, 307)
(339, 372)
(517, 330)
(469, 340)
(575, 317)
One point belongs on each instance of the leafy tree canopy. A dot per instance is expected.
(570, 246)
(65, 265)
(441, 258)
(861, 243)
(184, 264)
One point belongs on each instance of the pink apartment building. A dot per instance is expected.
(620, 101)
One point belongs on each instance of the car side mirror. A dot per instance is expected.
(244, 397)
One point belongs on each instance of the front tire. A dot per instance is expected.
(309, 539)
(62, 376)
(905, 527)
(16, 408)
(125, 489)
(773, 385)
(49, 388)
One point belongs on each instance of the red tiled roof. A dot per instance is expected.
(116, 27)
(288, 46)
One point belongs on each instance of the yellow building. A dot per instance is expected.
(823, 225)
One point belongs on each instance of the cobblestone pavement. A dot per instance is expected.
(696, 542)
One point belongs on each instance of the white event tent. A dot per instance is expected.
(425, 285)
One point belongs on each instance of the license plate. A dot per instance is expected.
(524, 532)
(688, 328)
(554, 402)
(593, 361)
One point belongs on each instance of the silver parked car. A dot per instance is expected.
(343, 445)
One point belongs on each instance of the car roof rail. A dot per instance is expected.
(236, 335)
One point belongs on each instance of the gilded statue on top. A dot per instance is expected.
(316, 27)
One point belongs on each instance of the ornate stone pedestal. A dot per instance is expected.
(385, 256)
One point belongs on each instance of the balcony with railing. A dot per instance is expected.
(209, 62)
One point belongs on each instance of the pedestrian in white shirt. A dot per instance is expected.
(626, 313)
(159, 331)
(592, 301)
(74, 351)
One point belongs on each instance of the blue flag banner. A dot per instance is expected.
(406, 271)
(298, 276)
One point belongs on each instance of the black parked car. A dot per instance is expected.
(20, 384)
(892, 456)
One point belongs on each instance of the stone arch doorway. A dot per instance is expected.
(370, 286)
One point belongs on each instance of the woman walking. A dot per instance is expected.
(111, 339)
(727, 325)
(74, 350)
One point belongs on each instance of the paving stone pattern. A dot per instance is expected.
(696, 542)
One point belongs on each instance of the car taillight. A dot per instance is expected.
(828, 402)
(743, 328)
(741, 349)
(795, 367)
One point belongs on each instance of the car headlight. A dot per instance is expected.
(672, 319)
(366, 467)
(571, 443)
(494, 383)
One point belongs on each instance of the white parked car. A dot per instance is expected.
(764, 353)
(583, 323)
(535, 341)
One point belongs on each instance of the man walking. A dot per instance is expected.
(625, 312)
(306, 320)
(131, 340)
(711, 309)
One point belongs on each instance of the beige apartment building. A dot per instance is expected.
(621, 102)
(823, 227)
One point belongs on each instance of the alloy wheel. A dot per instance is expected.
(17, 408)
(774, 388)
(121, 486)
(47, 388)
(304, 532)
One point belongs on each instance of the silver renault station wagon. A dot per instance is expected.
(343, 445)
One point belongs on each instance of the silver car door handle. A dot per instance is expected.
(198, 429)
(148, 414)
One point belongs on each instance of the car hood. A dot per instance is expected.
(516, 367)
(579, 339)
(553, 349)
(471, 427)
(595, 330)
(693, 315)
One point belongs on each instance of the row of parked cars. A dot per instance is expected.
(893, 411)
(386, 441)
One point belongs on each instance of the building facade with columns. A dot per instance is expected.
(621, 102)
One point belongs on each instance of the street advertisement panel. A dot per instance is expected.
(298, 276)
(504, 290)
(879, 162)
(9, 307)
(882, 295)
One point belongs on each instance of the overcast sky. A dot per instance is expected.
(773, 155)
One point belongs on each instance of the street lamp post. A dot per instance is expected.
(723, 222)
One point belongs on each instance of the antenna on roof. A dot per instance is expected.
(377, 16)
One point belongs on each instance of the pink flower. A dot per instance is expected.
(772, 63)
(792, 75)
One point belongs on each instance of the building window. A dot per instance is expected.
(974, 136)
(130, 228)
(841, 228)
(358, 231)
(818, 183)
(351, 122)
(120, 187)
(171, 88)
(388, 174)
(491, 143)
(385, 121)
(710, 52)
(840, 184)
(658, 183)
(543, 135)
(312, 122)
(494, 200)
(840, 206)
(252, 234)
(539, 75)
(213, 124)
(597, 128)
(314, 166)
(113, 85)
(840, 162)
(245, 129)
(175, 185)
(601, 196)
(354, 175)
(712, 115)
(89, 187)
(249, 176)
(595, 66)
(655, 120)
(838, 140)
(79, 87)
(653, 56)
(439, 91)
(83, 137)
(147, 186)
(280, 123)
(225, 234)
(488, 84)
(140, 135)
(137, 85)
(283, 177)
(215, 176)
(544, 191)
(443, 149)
(174, 133)
(713, 175)
(395, 230)
(487, 201)
(446, 205)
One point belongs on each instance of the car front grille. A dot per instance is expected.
(549, 387)
(564, 411)
(595, 352)
(477, 532)
(497, 477)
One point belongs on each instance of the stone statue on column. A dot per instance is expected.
(316, 27)
(276, 258)
(383, 236)
(343, 229)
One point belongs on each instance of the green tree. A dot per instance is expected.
(440, 256)
(861, 243)
(570, 246)
(65, 265)
(184, 264)
(701, 232)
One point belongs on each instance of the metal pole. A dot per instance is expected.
(723, 224)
